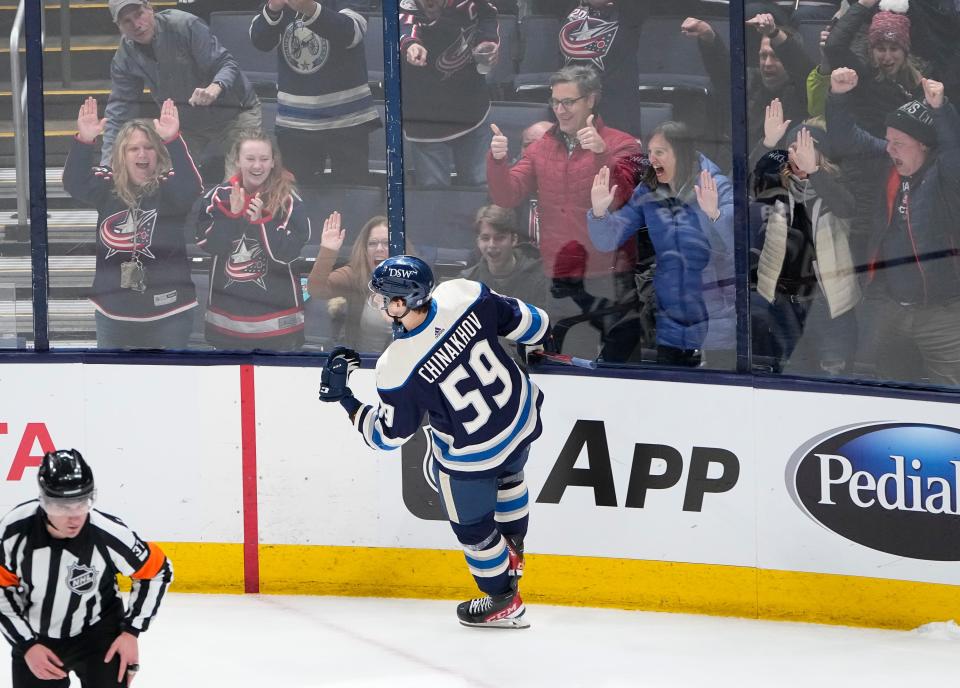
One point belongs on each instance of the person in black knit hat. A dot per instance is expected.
(913, 269)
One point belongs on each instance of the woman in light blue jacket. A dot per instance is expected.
(685, 206)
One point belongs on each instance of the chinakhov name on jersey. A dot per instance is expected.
(474, 458)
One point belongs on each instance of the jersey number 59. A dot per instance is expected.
(487, 368)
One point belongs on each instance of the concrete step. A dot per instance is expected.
(58, 102)
(85, 17)
(68, 317)
(56, 196)
(89, 57)
(58, 136)
(71, 229)
(66, 272)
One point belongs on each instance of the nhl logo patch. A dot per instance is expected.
(81, 579)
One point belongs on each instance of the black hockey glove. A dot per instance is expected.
(336, 373)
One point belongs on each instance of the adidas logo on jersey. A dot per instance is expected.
(437, 331)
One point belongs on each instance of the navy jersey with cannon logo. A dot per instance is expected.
(482, 408)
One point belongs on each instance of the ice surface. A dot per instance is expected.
(294, 642)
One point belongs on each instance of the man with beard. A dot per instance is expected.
(781, 71)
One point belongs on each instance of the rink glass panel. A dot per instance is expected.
(73, 225)
(864, 294)
(602, 304)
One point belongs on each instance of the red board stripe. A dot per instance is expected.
(248, 438)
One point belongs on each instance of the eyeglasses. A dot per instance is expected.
(565, 103)
(374, 243)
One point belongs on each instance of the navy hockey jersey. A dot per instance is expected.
(482, 408)
(58, 588)
(255, 291)
(322, 67)
(447, 98)
(153, 232)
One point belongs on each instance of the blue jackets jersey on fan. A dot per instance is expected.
(482, 408)
(322, 67)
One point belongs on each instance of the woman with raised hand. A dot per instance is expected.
(685, 206)
(350, 300)
(806, 285)
(889, 77)
(142, 290)
(254, 225)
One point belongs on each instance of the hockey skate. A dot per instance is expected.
(505, 610)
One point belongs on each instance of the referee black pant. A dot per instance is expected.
(82, 654)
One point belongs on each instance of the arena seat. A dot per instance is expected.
(440, 222)
(540, 56)
(651, 115)
(356, 205)
(809, 30)
(373, 47)
(233, 30)
(670, 61)
(504, 72)
(268, 117)
(513, 118)
(812, 10)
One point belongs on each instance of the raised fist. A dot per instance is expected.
(697, 28)
(933, 93)
(417, 55)
(843, 80)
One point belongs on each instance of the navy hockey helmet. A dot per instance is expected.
(405, 277)
(64, 475)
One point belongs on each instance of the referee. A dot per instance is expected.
(60, 606)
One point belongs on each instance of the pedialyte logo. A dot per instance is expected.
(892, 487)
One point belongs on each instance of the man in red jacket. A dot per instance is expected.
(559, 170)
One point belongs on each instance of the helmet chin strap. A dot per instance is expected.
(397, 318)
(47, 522)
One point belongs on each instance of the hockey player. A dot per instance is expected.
(484, 412)
(60, 607)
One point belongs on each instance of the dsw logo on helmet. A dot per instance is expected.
(892, 487)
(397, 272)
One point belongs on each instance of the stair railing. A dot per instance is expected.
(18, 85)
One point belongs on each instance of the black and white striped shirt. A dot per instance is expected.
(57, 588)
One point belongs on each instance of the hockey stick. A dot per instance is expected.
(566, 359)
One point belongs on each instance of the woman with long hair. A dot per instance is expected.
(685, 206)
(806, 286)
(142, 290)
(254, 225)
(889, 77)
(364, 328)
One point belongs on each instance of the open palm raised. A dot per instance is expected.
(168, 126)
(89, 125)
